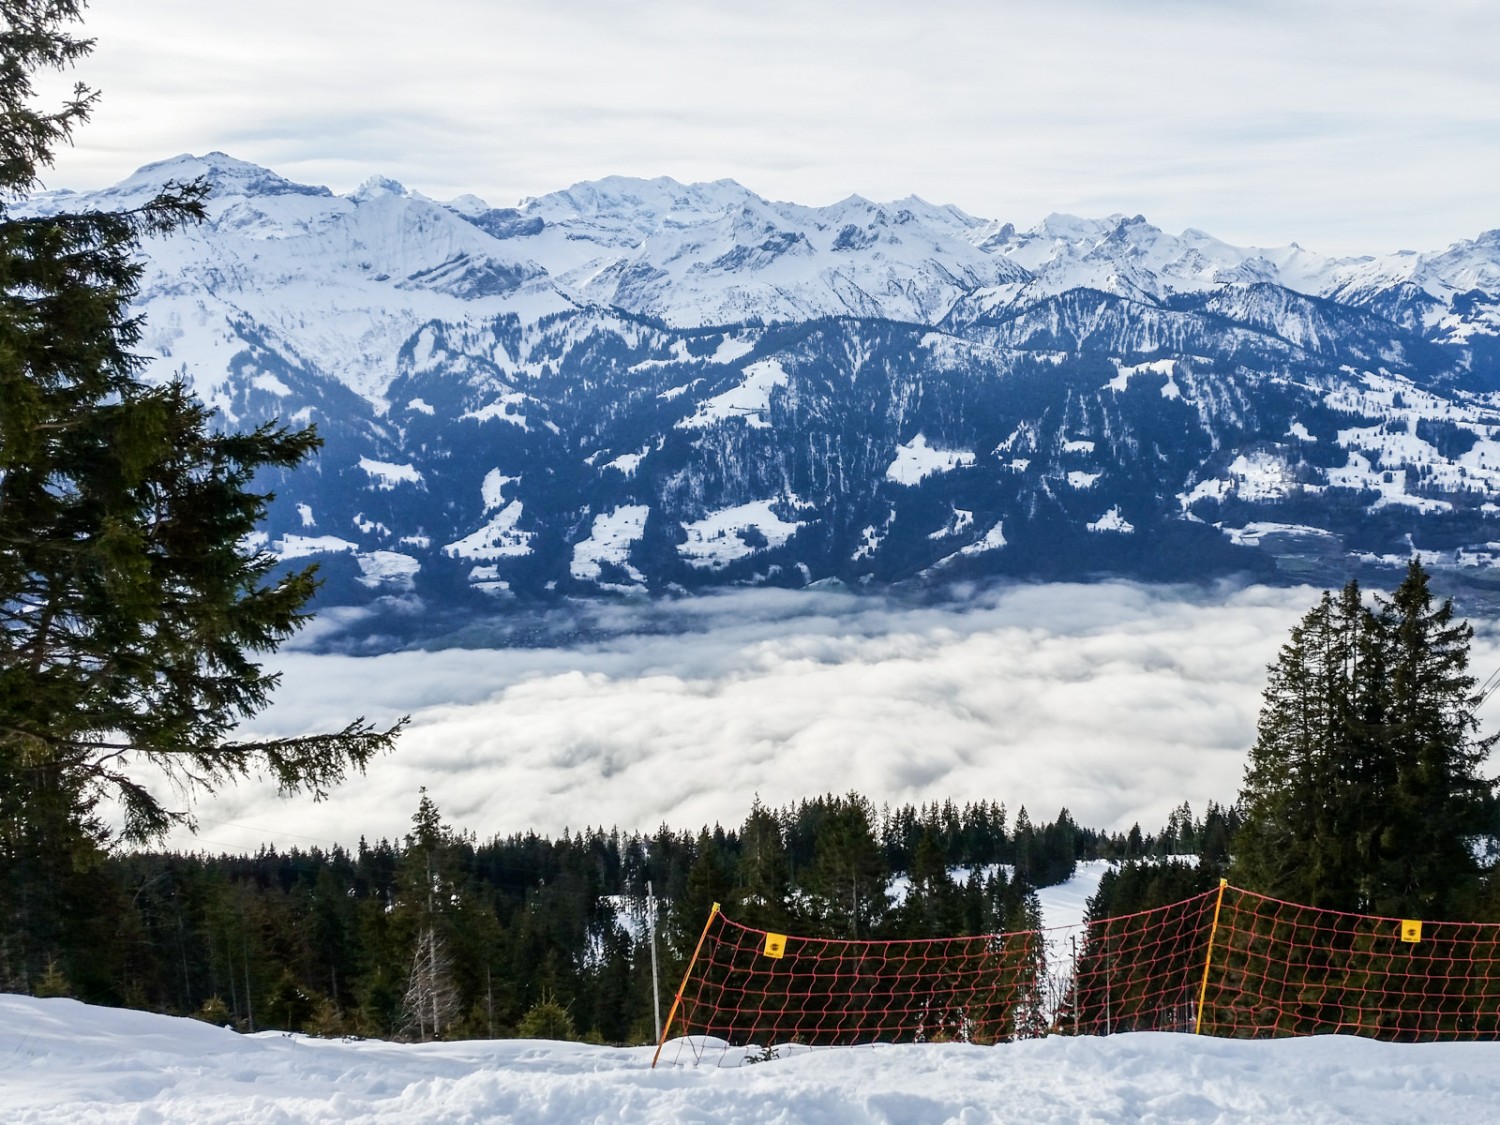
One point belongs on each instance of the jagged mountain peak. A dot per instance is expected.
(376, 186)
(228, 177)
(617, 387)
(643, 199)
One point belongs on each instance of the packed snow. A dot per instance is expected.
(64, 1063)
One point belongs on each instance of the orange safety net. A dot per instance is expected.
(1227, 962)
(1282, 969)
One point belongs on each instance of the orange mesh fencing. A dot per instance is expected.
(1282, 969)
(1227, 962)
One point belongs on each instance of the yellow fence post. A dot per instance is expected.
(1208, 958)
(677, 1000)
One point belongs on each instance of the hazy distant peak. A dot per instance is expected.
(227, 176)
(376, 186)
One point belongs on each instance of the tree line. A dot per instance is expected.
(440, 935)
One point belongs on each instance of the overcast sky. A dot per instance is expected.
(1346, 125)
(1117, 700)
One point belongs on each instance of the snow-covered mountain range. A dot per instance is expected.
(641, 385)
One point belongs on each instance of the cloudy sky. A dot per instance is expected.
(1115, 700)
(1350, 126)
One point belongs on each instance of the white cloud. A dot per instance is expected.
(1118, 701)
(1359, 127)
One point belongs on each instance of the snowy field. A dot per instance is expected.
(61, 1061)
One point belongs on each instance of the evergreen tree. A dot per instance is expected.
(846, 881)
(130, 605)
(1362, 792)
(432, 1004)
(1436, 800)
(764, 894)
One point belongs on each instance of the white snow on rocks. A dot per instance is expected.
(916, 460)
(1125, 372)
(502, 408)
(1252, 533)
(961, 520)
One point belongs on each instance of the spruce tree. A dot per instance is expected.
(1362, 792)
(1436, 800)
(131, 608)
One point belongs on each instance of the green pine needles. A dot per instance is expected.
(1363, 790)
(131, 607)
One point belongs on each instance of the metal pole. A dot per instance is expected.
(655, 979)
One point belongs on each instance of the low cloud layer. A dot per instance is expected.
(1115, 700)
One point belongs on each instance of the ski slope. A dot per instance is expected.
(62, 1061)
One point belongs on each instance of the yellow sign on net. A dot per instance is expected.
(775, 946)
(1411, 931)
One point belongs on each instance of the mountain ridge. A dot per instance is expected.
(640, 386)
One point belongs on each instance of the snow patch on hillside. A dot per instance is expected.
(502, 408)
(916, 460)
(627, 463)
(733, 533)
(388, 476)
(609, 541)
(750, 399)
(1262, 476)
(499, 538)
(388, 568)
(1112, 520)
(991, 540)
(300, 546)
(492, 488)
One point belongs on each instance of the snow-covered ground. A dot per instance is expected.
(1066, 903)
(61, 1061)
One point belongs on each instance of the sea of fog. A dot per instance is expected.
(1118, 701)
